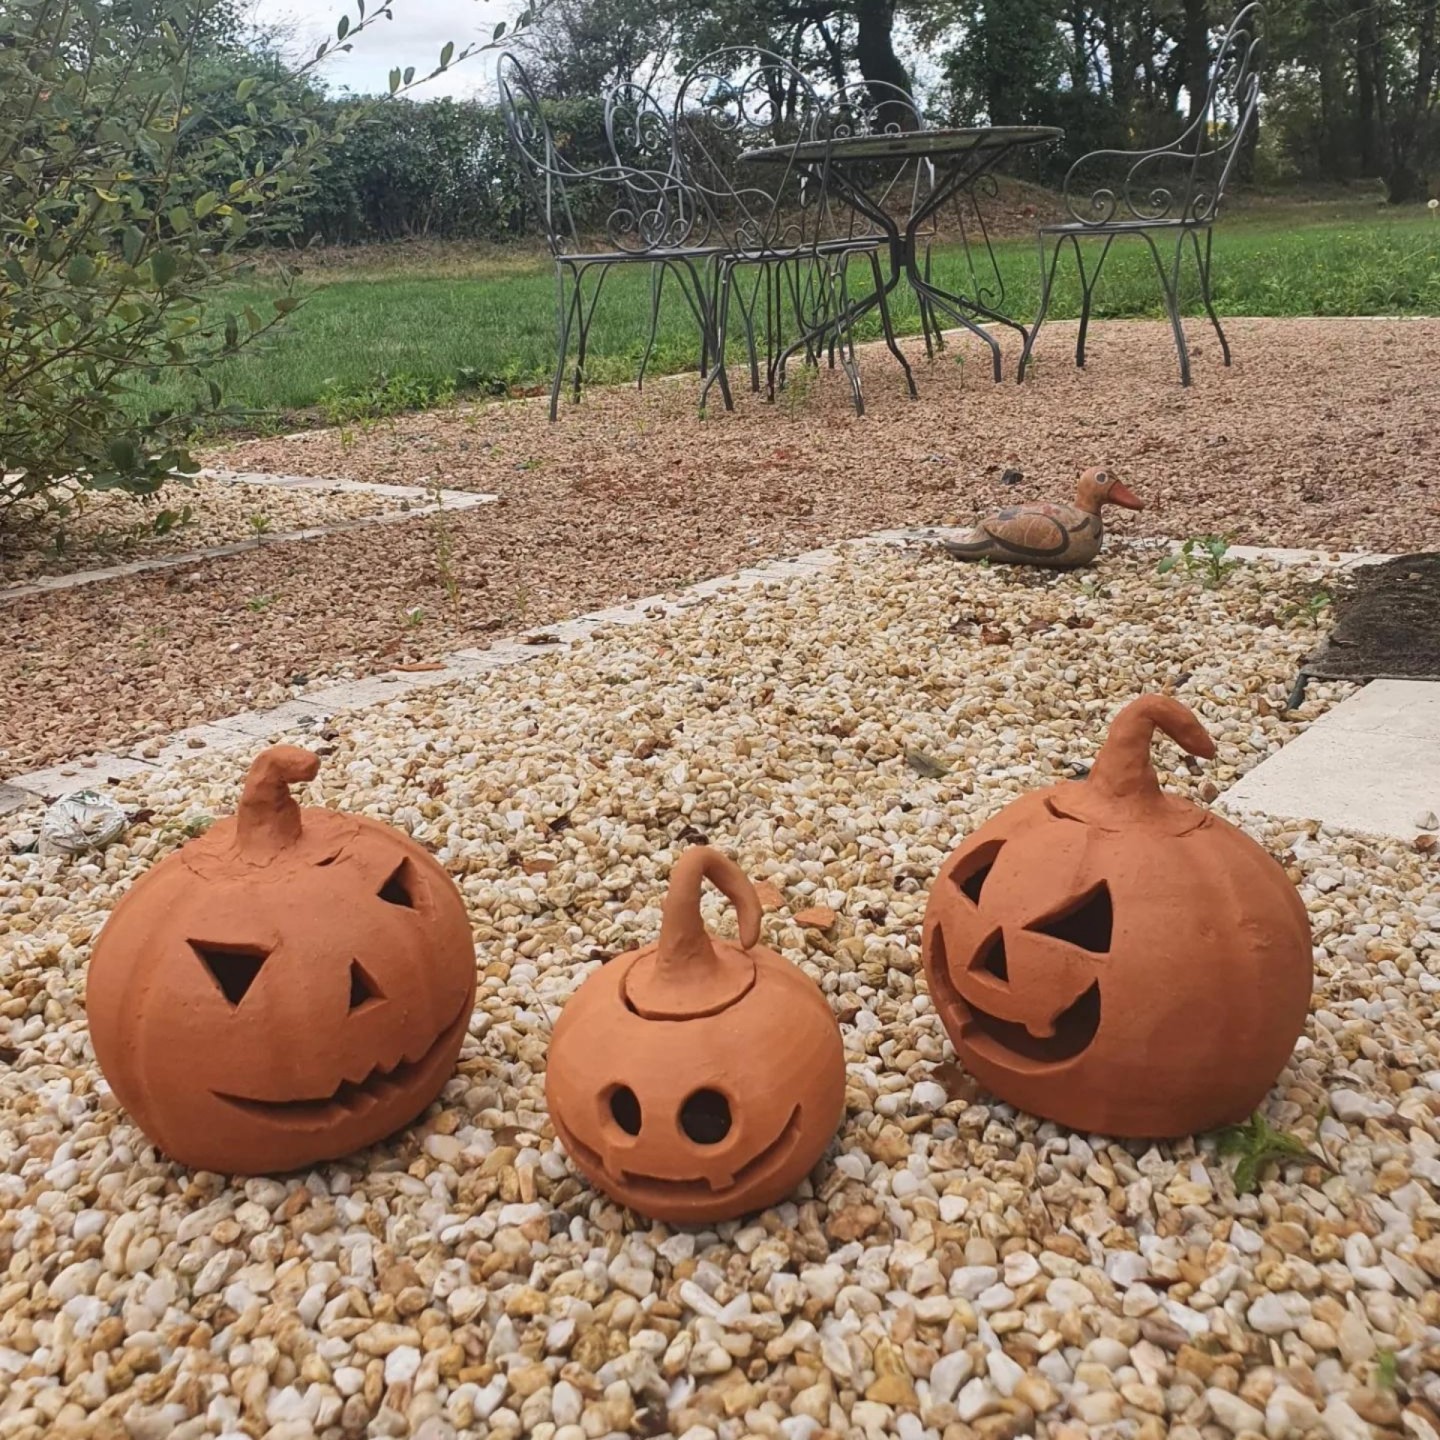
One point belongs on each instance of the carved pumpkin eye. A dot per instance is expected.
(1087, 923)
(399, 887)
(233, 968)
(625, 1108)
(705, 1117)
(363, 987)
(972, 881)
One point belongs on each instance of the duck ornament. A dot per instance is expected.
(1061, 536)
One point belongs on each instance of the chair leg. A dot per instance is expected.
(1087, 288)
(1204, 266)
(564, 319)
(1047, 285)
(657, 286)
(1170, 284)
(586, 314)
(722, 324)
(883, 303)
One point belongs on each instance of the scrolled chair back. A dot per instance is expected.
(541, 170)
(1184, 181)
(733, 100)
(640, 136)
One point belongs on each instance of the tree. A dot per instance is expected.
(583, 47)
(137, 164)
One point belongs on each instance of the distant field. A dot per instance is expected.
(433, 317)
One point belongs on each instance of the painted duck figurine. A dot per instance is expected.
(1063, 536)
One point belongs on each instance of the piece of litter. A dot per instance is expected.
(80, 822)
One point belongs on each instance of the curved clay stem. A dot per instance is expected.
(683, 937)
(269, 819)
(1123, 770)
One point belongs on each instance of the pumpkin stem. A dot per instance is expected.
(269, 819)
(1123, 768)
(688, 973)
(683, 936)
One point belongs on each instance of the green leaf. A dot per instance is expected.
(206, 204)
(246, 88)
(132, 244)
(286, 304)
(498, 32)
(343, 28)
(164, 267)
(447, 54)
(123, 453)
(395, 79)
(1168, 564)
(81, 270)
(253, 320)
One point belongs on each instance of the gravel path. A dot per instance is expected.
(954, 1270)
(1323, 433)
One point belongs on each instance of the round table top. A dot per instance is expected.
(906, 144)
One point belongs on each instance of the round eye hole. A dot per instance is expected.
(705, 1117)
(625, 1108)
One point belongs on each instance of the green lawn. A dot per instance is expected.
(435, 317)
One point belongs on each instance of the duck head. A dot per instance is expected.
(1099, 487)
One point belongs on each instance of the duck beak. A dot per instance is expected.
(1121, 494)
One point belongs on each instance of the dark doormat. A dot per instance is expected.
(1387, 624)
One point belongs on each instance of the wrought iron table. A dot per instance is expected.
(959, 159)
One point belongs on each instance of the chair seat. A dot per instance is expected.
(1121, 227)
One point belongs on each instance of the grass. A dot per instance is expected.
(387, 330)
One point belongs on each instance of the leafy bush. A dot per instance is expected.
(142, 149)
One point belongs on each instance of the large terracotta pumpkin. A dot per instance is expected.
(289, 988)
(1117, 959)
(697, 1080)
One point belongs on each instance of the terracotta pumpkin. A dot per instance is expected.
(289, 988)
(697, 1080)
(1117, 959)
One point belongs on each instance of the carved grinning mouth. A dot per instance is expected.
(772, 1157)
(379, 1087)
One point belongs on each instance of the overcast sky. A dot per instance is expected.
(413, 37)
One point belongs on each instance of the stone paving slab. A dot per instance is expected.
(1371, 764)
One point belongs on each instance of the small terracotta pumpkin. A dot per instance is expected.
(697, 1080)
(289, 988)
(1117, 959)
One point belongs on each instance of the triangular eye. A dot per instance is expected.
(233, 968)
(971, 879)
(991, 957)
(399, 888)
(1086, 922)
(362, 986)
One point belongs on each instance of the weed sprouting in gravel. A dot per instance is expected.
(1203, 558)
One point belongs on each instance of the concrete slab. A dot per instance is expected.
(89, 772)
(1372, 764)
(292, 715)
(13, 798)
(198, 739)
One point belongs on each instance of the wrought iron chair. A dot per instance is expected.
(1140, 203)
(640, 136)
(649, 220)
(764, 216)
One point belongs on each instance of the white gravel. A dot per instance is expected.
(954, 1270)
